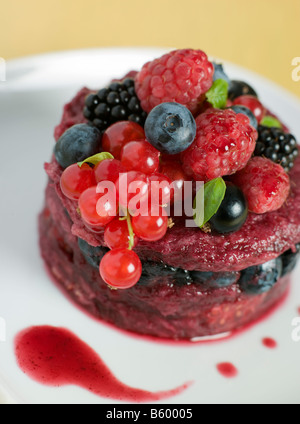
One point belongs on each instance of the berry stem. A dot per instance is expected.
(130, 231)
(125, 215)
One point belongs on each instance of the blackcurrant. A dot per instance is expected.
(240, 88)
(232, 213)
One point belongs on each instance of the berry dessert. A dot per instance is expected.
(173, 201)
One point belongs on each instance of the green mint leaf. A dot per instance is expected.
(211, 196)
(270, 121)
(99, 157)
(217, 95)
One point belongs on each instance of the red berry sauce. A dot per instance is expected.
(56, 357)
(227, 370)
(269, 343)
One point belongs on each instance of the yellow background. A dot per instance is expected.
(263, 35)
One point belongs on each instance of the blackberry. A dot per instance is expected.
(117, 102)
(273, 143)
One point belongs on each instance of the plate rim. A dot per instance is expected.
(60, 54)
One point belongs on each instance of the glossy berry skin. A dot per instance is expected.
(140, 156)
(75, 180)
(172, 169)
(132, 184)
(264, 183)
(240, 88)
(232, 213)
(116, 235)
(170, 128)
(161, 189)
(180, 76)
(76, 144)
(120, 133)
(97, 213)
(108, 170)
(121, 268)
(261, 278)
(247, 112)
(253, 104)
(152, 227)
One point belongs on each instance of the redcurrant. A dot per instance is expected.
(140, 156)
(109, 170)
(116, 235)
(97, 209)
(173, 170)
(120, 133)
(133, 189)
(162, 192)
(152, 227)
(75, 180)
(121, 268)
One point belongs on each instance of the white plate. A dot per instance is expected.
(31, 102)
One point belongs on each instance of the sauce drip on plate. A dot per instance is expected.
(56, 357)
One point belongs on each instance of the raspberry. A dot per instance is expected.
(223, 145)
(265, 184)
(181, 76)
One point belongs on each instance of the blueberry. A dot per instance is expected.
(76, 144)
(219, 72)
(215, 279)
(289, 260)
(170, 128)
(156, 272)
(92, 255)
(240, 88)
(245, 111)
(262, 278)
(232, 213)
(94, 261)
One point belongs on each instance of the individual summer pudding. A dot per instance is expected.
(173, 202)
